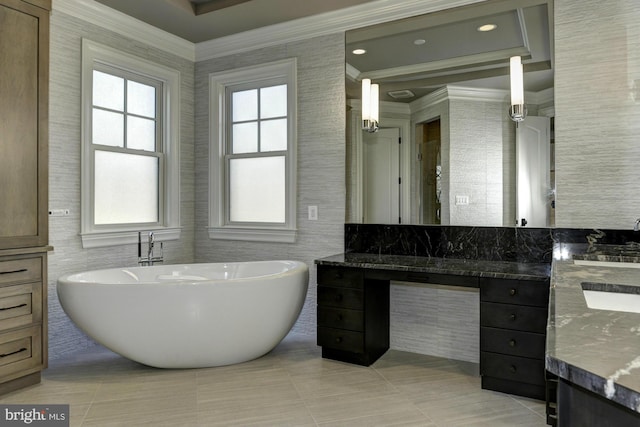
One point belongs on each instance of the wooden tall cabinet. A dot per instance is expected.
(24, 100)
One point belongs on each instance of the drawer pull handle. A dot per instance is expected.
(24, 304)
(512, 369)
(512, 291)
(512, 316)
(339, 316)
(338, 275)
(512, 343)
(338, 340)
(22, 270)
(14, 352)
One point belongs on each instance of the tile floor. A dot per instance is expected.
(291, 386)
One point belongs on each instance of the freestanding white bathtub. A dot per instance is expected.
(190, 315)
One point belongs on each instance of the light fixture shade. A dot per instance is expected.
(370, 109)
(518, 109)
(366, 99)
(517, 82)
(375, 108)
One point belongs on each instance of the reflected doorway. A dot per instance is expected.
(429, 144)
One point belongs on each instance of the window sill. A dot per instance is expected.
(253, 234)
(116, 238)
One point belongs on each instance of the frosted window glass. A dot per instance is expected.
(141, 99)
(108, 128)
(273, 101)
(141, 134)
(126, 188)
(108, 91)
(273, 135)
(257, 189)
(245, 138)
(245, 105)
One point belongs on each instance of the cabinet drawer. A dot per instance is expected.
(20, 305)
(341, 318)
(512, 368)
(340, 339)
(515, 343)
(340, 277)
(340, 297)
(517, 317)
(20, 350)
(20, 270)
(524, 292)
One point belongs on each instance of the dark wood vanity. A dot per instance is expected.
(353, 312)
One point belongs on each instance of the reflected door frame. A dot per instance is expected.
(405, 161)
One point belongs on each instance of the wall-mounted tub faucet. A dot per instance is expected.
(150, 259)
(636, 226)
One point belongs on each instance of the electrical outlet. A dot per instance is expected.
(313, 213)
(462, 200)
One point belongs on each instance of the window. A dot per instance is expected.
(252, 167)
(130, 148)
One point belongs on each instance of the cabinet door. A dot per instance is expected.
(23, 124)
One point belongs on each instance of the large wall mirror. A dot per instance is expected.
(446, 151)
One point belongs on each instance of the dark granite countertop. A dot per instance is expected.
(461, 267)
(598, 350)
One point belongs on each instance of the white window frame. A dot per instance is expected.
(95, 54)
(219, 226)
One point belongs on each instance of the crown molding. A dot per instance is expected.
(338, 21)
(110, 19)
(333, 22)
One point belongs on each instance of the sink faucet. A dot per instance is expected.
(636, 226)
(150, 259)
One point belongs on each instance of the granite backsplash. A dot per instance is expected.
(515, 244)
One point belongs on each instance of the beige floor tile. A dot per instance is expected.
(248, 412)
(352, 406)
(313, 386)
(291, 386)
(405, 418)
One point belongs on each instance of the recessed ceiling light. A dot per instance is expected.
(487, 27)
(359, 51)
(419, 42)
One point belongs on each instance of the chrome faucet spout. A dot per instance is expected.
(636, 226)
(150, 245)
(150, 259)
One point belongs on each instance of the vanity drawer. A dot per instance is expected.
(20, 350)
(517, 317)
(341, 318)
(513, 368)
(524, 292)
(340, 339)
(340, 277)
(20, 270)
(515, 343)
(340, 297)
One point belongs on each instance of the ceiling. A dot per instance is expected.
(202, 20)
(424, 53)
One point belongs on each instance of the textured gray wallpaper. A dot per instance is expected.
(68, 255)
(321, 159)
(597, 127)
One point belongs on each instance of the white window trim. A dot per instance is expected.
(218, 83)
(170, 229)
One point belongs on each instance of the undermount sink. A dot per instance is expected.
(605, 296)
(614, 264)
